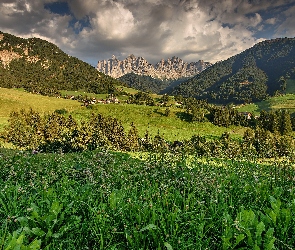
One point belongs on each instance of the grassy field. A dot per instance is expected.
(111, 200)
(104, 96)
(82, 93)
(106, 200)
(274, 103)
(153, 119)
(15, 100)
(145, 118)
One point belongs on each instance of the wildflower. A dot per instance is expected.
(34, 151)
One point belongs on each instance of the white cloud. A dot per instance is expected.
(287, 28)
(114, 23)
(211, 30)
(271, 21)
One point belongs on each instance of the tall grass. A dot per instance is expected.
(105, 200)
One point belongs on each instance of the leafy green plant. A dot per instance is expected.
(101, 199)
(17, 240)
(247, 231)
(53, 224)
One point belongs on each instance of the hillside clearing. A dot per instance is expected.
(274, 103)
(153, 120)
(15, 100)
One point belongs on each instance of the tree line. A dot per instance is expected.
(28, 130)
(279, 121)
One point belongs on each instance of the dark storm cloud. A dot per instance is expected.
(191, 29)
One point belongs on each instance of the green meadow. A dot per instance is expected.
(286, 101)
(107, 200)
(102, 199)
(153, 119)
(145, 118)
(274, 103)
(15, 100)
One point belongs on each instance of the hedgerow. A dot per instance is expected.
(28, 130)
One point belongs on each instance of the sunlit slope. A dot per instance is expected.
(154, 120)
(146, 118)
(274, 103)
(15, 100)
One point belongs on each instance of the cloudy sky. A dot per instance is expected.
(93, 30)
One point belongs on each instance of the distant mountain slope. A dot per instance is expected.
(143, 83)
(149, 84)
(41, 67)
(173, 68)
(249, 76)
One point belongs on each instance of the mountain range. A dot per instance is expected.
(172, 68)
(138, 73)
(252, 75)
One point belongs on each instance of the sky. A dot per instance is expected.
(93, 30)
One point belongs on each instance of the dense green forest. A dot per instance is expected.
(252, 75)
(144, 83)
(150, 84)
(41, 67)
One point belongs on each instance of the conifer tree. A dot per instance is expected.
(274, 124)
(286, 124)
(132, 139)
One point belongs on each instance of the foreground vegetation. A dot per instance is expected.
(209, 192)
(104, 200)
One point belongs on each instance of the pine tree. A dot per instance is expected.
(286, 124)
(167, 112)
(132, 139)
(274, 124)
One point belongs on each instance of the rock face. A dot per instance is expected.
(14, 52)
(7, 56)
(173, 68)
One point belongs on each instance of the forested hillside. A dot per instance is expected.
(41, 67)
(252, 75)
(144, 83)
(149, 84)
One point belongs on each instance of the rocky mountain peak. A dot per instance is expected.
(171, 68)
